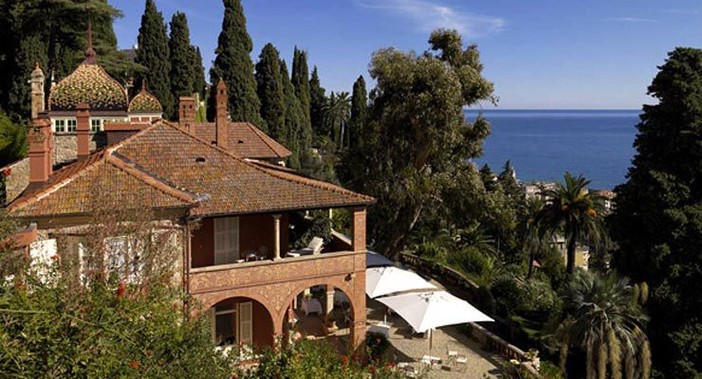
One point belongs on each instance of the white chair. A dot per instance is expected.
(314, 247)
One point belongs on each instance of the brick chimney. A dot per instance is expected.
(186, 112)
(83, 130)
(39, 152)
(222, 114)
(37, 84)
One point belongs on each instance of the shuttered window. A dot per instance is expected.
(246, 323)
(226, 240)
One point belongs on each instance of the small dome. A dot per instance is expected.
(144, 102)
(90, 84)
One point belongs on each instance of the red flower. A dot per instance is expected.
(344, 360)
(6, 172)
(135, 365)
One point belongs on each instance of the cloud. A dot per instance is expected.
(428, 15)
(631, 19)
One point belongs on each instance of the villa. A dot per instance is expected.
(219, 187)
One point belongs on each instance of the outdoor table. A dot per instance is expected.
(430, 360)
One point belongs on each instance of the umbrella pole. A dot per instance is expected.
(431, 338)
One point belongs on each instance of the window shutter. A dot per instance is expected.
(245, 322)
(226, 240)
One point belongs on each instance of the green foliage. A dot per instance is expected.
(359, 111)
(376, 345)
(153, 53)
(233, 64)
(293, 118)
(318, 101)
(199, 82)
(417, 142)
(270, 91)
(601, 320)
(306, 228)
(316, 359)
(186, 66)
(658, 220)
(336, 115)
(300, 81)
(13, 140)
(575, 212)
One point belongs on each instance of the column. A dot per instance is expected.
(330, 301)
(276, 234)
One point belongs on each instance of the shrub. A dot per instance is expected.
(376, 344)
(431, 250)
(470, 260)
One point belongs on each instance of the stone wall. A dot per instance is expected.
(66, 146)
(16, 179)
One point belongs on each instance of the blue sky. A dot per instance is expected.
(539, 53)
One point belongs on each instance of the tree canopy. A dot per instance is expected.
(233, 64)
(183, 65)
(153, 53)
(270, 90)
(657, 223)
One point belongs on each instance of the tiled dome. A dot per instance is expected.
(144, 102)
(90, 84)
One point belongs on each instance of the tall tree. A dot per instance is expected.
(13, 140)
(337, 113)
(233, 64)
(270, 90)
(417, 136)
(153, 53)
(359, 111)
(300, 81)
(318, 101)
(199, 81)
(657, 223)
(293, 117)
(602, 317)
(183, 71)
(575, 212)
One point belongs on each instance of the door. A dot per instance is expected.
(246, 323)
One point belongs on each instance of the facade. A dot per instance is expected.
(217, 187)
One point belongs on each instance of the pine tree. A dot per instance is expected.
(153, 54)
(270, 90)
(199, 82)
(359, 111)
(318, 101)
(182, 70)
(300, 80)
(657, 223)
(293, 117)
(233, 64)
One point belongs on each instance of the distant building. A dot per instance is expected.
(536, 189)
(608, 199)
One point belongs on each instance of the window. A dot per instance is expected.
(60, 126)
(226, 240)
(95, 124)
(233, 324)
(71, 126)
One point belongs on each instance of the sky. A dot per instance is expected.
(540, 54)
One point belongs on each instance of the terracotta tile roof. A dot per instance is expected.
(231, 184)
(72, 190)
(172, 168)
(244, 140)
(89, 83)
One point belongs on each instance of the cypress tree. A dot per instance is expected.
(153, 54)
(199, 82)
(359, 110)
(293, 117)
(270, 90)
(318, 101)
(182, 69)
(300, 81)
(657, 222)
(233, 64)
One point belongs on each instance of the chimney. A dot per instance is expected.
(37, 84)
(83, 130)
(186, 112)
(222, 117)
(40, 141)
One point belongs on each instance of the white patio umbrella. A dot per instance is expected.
(428, 310)
(386, 280)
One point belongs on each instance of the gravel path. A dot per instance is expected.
(410, 348)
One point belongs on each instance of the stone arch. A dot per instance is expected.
(334, 283)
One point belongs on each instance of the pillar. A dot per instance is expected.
(276, 236)
(358, 226)
(330, 301)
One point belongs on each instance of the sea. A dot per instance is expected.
(543, 144)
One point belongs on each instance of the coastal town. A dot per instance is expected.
(158, 222)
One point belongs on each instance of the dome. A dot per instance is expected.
(144, 102)
(90, 84)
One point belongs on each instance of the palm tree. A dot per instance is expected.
(535, 240)
(337, 114)
(602, 317)
(570, 209)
